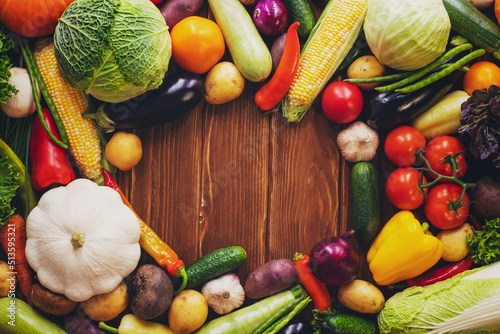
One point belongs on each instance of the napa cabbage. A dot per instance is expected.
(113, 49)
(406, 34)
(466, 303)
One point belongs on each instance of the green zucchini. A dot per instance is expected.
(17, 317)
(365, 201)
(250, 54)
(249, 319)
(476, 27)
(349, 324)
(300, 11)
(214, 264)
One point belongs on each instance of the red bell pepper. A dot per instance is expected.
(50, 163)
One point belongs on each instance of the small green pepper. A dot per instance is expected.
(130, 324)
(17, 317)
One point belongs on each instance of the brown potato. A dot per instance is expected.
(455, 246)
(51, 302)
(361, 296)
(223, 83)
(366, 67)
(106, 306)
(188, 312)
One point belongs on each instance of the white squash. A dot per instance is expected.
(82, 240)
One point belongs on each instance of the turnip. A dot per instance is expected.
(21, 104)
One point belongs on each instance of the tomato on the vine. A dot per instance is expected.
(342, 102)
(438, 148)
(437, 206)
(402, 190)
(402, 143)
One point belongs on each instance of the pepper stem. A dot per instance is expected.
(77, 239)
(107, 328)
(181, 272)
(425, 227)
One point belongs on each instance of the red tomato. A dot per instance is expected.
(402, 143)
(402, 188)
(342, 102)
(438, 148)
(437, 208)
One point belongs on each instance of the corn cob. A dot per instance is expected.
(329, 42)
(83, 134)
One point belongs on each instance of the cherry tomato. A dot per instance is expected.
(438, 148)
(197, 44)
(481, 75)
(402, 143)
(437, 210)
(401, 188)
(342, 102)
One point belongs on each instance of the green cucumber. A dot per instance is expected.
(300, 11)
(472, 24)
(349, 324)
(250, 54)
(17, 317)
(365, 201)
(214, 264)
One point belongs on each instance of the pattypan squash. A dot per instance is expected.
(82, 240)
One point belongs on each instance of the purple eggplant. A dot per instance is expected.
(80, 324)
(270, 17)
(335, 260)
(179, 93)
(297, 326)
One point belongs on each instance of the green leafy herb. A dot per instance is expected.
(480, 128)
(6, 89)
(484, 246)
(8, 187)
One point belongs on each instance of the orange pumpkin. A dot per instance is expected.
(32, 18)
(497, 10)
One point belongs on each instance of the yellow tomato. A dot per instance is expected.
(124, 150)
(197, 44)
(481, 75)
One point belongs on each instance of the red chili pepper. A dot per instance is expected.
(50, 163)
(151, 242)
(316, 289)
(272, 92)
(442, 273)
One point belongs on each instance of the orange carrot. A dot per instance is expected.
(13, 240)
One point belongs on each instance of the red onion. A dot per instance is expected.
(335, 260)
(270, 17)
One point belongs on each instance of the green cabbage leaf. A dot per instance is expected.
(466, 303)
(407, 34)
(113, 50)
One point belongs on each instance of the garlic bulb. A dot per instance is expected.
(358, 142)
(224, 294)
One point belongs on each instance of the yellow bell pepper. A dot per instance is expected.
(443, 118)
(402, 250)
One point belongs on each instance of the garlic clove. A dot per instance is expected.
(224, 294)
(358, 142)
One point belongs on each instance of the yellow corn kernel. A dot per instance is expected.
(322, 52)
(83, 134)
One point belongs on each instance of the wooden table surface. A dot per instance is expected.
(224, 175)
